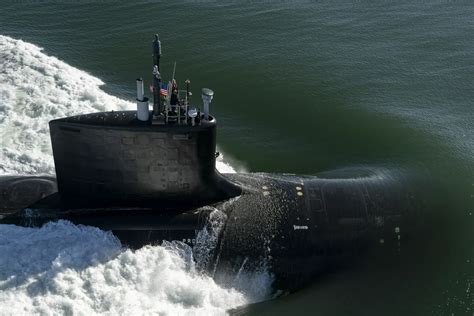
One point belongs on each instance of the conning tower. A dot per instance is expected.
(142, 156)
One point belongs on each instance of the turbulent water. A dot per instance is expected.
(300, 87)
(66, 269)
(36, 88)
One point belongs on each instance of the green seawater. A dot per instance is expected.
(305, 87)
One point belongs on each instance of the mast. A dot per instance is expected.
(157, 108)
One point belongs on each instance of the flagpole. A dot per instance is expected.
(156, 78)
(174, 70)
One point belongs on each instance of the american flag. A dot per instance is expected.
(163, 90)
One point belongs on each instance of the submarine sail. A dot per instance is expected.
(150, 175)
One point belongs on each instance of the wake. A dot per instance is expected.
(62, 268)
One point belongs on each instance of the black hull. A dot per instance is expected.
(296, 226)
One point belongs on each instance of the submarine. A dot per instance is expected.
(150, 176)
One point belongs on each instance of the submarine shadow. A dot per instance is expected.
(325, 287)
(276, 304)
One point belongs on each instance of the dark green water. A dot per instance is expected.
(305, 87)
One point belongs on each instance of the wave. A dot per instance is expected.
(62, 268)
(36, 88)
(67, 269)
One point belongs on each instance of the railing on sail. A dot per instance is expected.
(173, 112)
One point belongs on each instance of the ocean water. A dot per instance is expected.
(66, 269)
(301, 87)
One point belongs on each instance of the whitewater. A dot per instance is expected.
(62, 268)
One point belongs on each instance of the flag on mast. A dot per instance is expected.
(164, 89)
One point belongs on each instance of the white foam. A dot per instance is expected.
(224, 166)
(207, 239)
(36, 88)
(66, 269)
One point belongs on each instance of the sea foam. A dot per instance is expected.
(36, 88)
(66, 269)
(62, 268)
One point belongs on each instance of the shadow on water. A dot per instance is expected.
(434, 263)
(432, 273)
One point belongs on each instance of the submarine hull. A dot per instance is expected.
(294, 226)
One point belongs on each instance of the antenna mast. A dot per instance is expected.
(157, 108)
